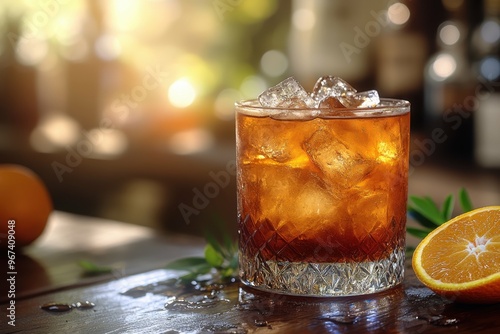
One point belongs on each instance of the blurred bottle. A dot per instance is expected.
(485, 50)
(402, 50)
(335, 38)
(449, 86)
(18, 110)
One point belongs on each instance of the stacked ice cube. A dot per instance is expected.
(328, 92)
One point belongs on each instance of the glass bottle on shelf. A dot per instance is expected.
(485, 50)
(402, 51)
(449, 86)
(335, 38)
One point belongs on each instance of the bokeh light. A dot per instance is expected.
(191, 141)
(108, 47)
(107, 143)
(274, 63)
(125, 14)
(489, 68)
(443, 66)
(54, 132)
(398, 13)
(490, 31)
(30, 51)
(252, 86)
(449, 33)
(181, 93)
(303, 19)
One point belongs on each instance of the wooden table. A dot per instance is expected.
(140, 297)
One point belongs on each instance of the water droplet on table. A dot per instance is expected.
(85, 305)
(261, 323)
(56, 307)
(137, 292)
(345, 319)
(440, 320)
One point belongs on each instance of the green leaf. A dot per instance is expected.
(212, 241)
(195, 266)
(189, 277)
(221, 254)
(227, 246)
(447, 209)
(91, 269)
(421, 219)
(188, 263)
(465, 201)
(427, 208)
(213, 257)
(233, 263)
(419, 233)
(220, 239)
(227, 272)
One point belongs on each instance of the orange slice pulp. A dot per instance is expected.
(461, 258)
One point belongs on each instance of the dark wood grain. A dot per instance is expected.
(151, 302)
(147, 303)
(51, 263)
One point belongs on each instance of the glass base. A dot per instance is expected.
(323, 279)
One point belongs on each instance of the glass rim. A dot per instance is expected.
(386, 107)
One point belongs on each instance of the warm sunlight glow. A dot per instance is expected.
(30, 51)
(108, 143)
(303, 19)
(191, 141)
(123, 14)
(108, 47)
(181, 93)
(76, 51)
(55, 132)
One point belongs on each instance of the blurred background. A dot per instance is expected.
(125, 107)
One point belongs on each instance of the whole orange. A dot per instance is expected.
(25, 206)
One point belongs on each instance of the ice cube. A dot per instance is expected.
(331, 103)
(293, 199)
(366, 99)
(330, 86)
(342, 166)
(267, 141)
(287, 94)
(368, 208)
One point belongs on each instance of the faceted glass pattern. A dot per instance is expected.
(322, 201)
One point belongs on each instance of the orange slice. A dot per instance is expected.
(461, 258)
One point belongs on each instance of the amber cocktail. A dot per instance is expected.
(322, 195)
